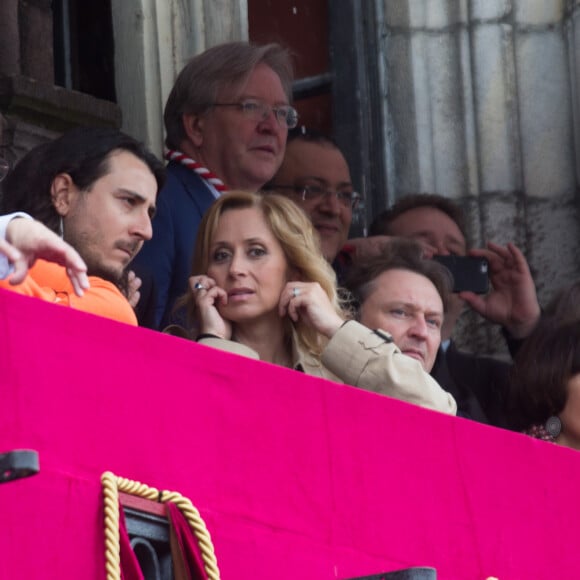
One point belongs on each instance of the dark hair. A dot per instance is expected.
(398, 254)
(381, 225)
(565, 305)
(205, 75)
(301, 133)
(82, 153)
(546, 361)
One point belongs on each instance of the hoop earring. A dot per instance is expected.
(554, 426)
(61, 227)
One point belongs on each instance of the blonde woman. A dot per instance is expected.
(262, 289)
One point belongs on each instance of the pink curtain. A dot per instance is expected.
(187, 561)
(130, 569)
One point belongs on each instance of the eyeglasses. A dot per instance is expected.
(348, 199)
(258, 111)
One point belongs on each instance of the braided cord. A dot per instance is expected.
(198, 168)
(112, 485)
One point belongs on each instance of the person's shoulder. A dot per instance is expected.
(179, 176)
(183, 189)
(104, 298)
(475, 363)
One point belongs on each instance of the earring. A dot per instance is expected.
(554, 426)
(60, 227)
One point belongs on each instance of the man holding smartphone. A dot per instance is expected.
(478, 383)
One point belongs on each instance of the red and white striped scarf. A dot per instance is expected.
(202, 171)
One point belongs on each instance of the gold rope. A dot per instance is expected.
(111, 487)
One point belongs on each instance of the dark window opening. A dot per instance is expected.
(84, 47)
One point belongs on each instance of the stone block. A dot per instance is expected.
(54, 108)
(421, 14)
(572, 31)
(554, 243)
(538, 12)
(446, 137)
(444, 13)
(490, 9)
(573, 6)
(494, 90)
(503, 219)
(545, 112)
(407, 109)
(398, 14)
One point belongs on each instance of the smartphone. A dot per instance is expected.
(469, 273)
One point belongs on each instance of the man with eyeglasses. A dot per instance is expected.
(226, 119)
(316, 176)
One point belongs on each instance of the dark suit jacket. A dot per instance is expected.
(479, 384)
(164, 263)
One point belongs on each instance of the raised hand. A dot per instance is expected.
(208, 296)
(29, 240)
(512, 301)
(133, 285)
(307, 302)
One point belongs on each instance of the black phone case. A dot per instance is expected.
(469, 273)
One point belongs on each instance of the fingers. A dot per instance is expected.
(133, 285)
(428, 250)
(475, 301)
(76, 269)
(297, 297)
(500, 257)
(34, 240)
(20, 270)
(16, 259)
(53, 249)
(206, 291)
(309, 303)
(290, 300)
(134, 294)
(207, 295)
(199, 284)
(9, 251)
(80, 281)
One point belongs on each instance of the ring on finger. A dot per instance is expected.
(199, 286)
(295, 292)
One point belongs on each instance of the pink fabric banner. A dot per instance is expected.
(296, 477)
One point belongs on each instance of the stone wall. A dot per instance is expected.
(481, 106)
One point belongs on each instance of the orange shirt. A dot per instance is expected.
(48, 281)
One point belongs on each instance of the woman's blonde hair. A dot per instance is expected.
(295, 234)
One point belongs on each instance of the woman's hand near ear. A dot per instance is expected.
(308, 302)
